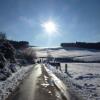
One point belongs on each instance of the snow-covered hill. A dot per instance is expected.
(75, 54)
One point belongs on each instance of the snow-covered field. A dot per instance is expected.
(10, 84)
(84, 78)
(74, 53)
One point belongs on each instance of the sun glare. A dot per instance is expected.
(50, 27)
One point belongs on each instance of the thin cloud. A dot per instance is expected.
(28, 21)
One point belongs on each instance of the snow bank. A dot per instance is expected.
(9, 85)
(84, 81)
(59, 84)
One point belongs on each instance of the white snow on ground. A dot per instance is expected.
(84, 80)
(54, 80)
(9, 85)
(75, 53)
(41, 53)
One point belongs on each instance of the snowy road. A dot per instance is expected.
(27, 89)
(42, 84)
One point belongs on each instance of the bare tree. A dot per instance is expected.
(29, 54)
(3, 36)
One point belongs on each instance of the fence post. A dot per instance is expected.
(66, 71)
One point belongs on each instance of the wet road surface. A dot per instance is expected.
(27, 89)
(42, 85)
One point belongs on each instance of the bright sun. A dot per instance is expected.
(50, 27)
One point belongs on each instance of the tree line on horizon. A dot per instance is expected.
(92, 45)
(16, 44)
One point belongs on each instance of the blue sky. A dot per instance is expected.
(76, 20)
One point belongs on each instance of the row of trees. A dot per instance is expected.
(19, 44)
(23, 51)
(16, 44)
(95, 45)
